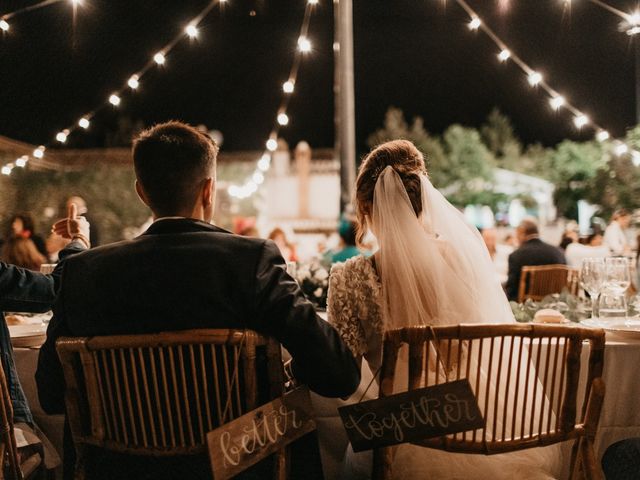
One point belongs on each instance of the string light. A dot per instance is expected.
(602, 136)
(272, 144)
(62, 136)
(288, 86)
(283, 119)
(504, 55)
(304, 44)
(313, 2)
(620, 149)
(133, 82)
(580, 120)
(159, 58)
(534, 79)
(557, 102)
(84, 123)
(114, 99)
(39, 152)
(6, 170)
(4, 25)
(191, 31)
(22, 161)
(264, 163)
(258, 178)
(475, 23)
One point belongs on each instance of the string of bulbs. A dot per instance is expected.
(536, 80)
(133, 82)
(4, 19)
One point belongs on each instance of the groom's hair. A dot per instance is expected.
(408, 163)
(172, 160)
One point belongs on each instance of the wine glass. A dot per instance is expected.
(617, 281)
(592, 277)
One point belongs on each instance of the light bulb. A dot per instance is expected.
(534, 78)
(580, 120)
(22, 161)
(62, 136)
(133, 82)
(6, 170)
(84, 122)
(504, 55)
(114, 100)
(602, 135)
(475, 23)
(621, 149)
(159, 58)
(258, 178)
(634, 18)
(272, 144)
(234, 191)
(4, 25)
(635, 158)
(191, 31)
(304, 44)
(556, 102)
(39, 152)
(76, 2)
(288, 86)
(264, 162)
(283, 119)
(313, 2)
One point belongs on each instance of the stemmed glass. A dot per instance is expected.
(618, 279)
(592, 277)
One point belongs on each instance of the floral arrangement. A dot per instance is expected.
(313, 278)
(571, 306)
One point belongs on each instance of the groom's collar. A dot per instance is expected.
(166, 225)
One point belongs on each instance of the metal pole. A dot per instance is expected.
(345, 122)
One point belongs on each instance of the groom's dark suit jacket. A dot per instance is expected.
(185, 274)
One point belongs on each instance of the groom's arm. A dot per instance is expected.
(320, 358)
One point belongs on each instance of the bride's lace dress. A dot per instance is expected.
(355, 310)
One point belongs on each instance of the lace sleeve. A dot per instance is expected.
(343, 312)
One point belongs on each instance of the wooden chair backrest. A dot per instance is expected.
(8, 446)
(161, 393)
(512, 357)
(536, 282)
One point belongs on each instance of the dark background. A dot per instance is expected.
(414, 54)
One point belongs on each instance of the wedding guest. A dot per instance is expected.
(22, 252)
(22, 225)
(26, 291)
(621, 460)
(614, 236)
(83, 210)
(532, 251)
(593, 248)
(568, 237)
(499, 253)
(185, 273)
(348, 246)
(287, 249)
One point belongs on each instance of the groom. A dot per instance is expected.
(184, 273)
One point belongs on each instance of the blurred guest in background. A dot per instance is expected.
(499, 252)
(250, 231)
(348, 247)
(22, 252)
(592, 248)
(22, 225)
(614, 236)
(81, 204)
(532, 251)
(287, 250)
(568, 237)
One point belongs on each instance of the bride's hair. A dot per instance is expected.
(406, 160)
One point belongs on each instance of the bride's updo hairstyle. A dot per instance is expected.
(408, 163)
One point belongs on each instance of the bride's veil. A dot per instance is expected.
(434, 269)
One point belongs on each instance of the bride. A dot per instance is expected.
(432, 268)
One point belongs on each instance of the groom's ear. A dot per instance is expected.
(208, 194)
(141, 194)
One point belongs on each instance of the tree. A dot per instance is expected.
(498, 135)
(575, 166)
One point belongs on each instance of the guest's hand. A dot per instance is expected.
(73, 227)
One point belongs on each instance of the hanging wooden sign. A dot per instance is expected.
(243, 442)
(415, 415)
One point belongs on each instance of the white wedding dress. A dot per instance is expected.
(432, 270)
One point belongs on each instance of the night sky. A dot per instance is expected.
(414, 54)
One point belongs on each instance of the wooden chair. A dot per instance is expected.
(512, 356)
(539, 281)
(160, 394)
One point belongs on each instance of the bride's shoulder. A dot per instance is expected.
(359, 268)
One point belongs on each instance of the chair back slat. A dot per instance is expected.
(536, 282)
(160, 394)
(525, 378)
